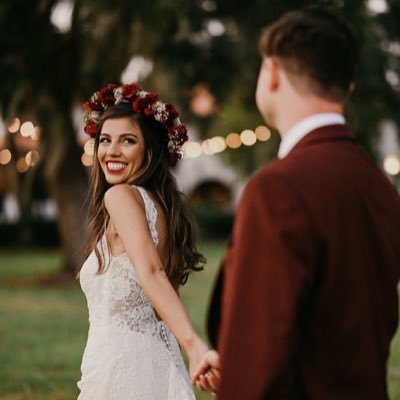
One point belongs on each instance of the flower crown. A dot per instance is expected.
(143, 102)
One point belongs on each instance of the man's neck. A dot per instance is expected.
(306, 109)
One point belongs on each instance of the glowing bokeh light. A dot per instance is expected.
(14, 125)
(206, 147)
(87, 160)
(217, 144)
(262, 133)
(22, 166)
(89, 147)
(192, 149)
(248, 137)
(391, 164)
(233, 140)
(35, 134)
(5, 156)
(61, 15)
(32, 158)
(27, 128)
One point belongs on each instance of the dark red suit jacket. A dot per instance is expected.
(306, 303)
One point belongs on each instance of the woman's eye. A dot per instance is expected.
(129, 140)
(104, 140)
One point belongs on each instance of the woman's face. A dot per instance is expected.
(121, 150)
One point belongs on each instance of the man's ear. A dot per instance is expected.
(274, 67)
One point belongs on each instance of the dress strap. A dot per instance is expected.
(151, 212)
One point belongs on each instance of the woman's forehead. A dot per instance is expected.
(120, 125)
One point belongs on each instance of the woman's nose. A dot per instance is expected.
(114, 149)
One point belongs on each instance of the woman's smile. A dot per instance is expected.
(115, 166)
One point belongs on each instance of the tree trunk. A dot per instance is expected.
(67, 183)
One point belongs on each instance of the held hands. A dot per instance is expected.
(208, 376)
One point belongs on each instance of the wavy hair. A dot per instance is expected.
(156, 178)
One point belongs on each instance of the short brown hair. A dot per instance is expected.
(317, 44)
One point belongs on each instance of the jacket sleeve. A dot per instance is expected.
(269, 268)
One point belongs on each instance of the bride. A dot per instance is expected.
(142, 248)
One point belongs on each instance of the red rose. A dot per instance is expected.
(173, 158)
(171, 110)
(92, 106)
(148, 112)
(106, 95)
(181, 131)
(140, 103)
(129, 91)
(91, 128)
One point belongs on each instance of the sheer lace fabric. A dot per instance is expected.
(129, 353)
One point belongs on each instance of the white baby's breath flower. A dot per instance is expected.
(118, 95)
(141, 93)
(171, 146)
(95, 116)
(160, 113)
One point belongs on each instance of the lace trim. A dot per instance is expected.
(151, 213)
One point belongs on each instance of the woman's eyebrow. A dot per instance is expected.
(122, 134)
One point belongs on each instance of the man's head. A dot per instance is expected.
(316, 49)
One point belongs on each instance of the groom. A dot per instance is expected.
(306, 303)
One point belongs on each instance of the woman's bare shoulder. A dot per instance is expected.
(123, 195)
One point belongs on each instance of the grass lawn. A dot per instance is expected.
(43, 329)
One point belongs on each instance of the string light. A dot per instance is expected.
(89, 147)
(5, 156)
(26, 129)
(217, 144)
(248, 137)
(14, 125)
(22, 166)
(206, 147)
(87, 160)
(391, 164)
(233, 140)
(35, 134)
(192, 149)
(262, 133)
(32, 158)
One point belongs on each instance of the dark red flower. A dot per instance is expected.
(173, 158)
(92, 106)
(171, 111)
(130, 90)
(148, 112)
(106, 95)
(91, 128)
(140, 103)
(181, 131)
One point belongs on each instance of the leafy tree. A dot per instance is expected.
(47, 74)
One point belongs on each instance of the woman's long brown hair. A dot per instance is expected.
(157, 179)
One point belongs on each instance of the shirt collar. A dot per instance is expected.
(304, 127)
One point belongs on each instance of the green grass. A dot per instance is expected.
(43, 329)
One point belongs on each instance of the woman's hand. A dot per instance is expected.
(195, 349)
(208, 376)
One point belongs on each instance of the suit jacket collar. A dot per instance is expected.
(328, 133)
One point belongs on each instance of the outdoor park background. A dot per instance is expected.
(199, 54)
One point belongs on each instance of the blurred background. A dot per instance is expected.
(201, 55)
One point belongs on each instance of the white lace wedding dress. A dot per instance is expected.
(129, 353)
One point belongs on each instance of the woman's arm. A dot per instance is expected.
(125, 207)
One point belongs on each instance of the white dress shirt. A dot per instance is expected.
(304, 127)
